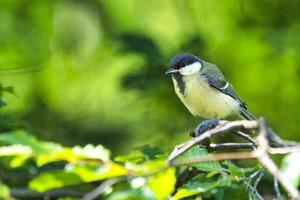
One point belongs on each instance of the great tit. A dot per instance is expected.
(203, 89)
(205, 92)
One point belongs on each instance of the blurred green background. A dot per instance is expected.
(92, 71)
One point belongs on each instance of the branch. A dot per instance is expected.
(268, 163)
(277, 190)
(215, 157)
(253, 188)
(24, 193)
(254, 191)
(261, 153)
(246, 137)
(284, 150)
(223, 127)
(101, 188)
(110, 182)
(231, 146)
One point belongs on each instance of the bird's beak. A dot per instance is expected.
(171, 71)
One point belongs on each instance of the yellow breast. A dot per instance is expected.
(203, 100)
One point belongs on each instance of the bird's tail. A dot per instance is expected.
(274, 139)
(246, 114)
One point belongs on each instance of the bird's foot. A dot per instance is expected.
(204, 126)
(201, 128)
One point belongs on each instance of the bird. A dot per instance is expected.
(206, 93)
(203, 89)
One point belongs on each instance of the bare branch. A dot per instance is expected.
(260, 175)
(254, 191)
(24, 193)
(277, 190)
(268, 163)
(215, 157)
(101, 188)
(246, 136)
(284, 150)
(231, 146)
(223, 127)
(261, 153)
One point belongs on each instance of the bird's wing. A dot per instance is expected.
(215, 79)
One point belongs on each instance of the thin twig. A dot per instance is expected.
(101, 188)
(231, 146)
(24, 193)
(110, 182)
(246, 136)
(284, 150)
(277, 190)
(260, 175)
(254, 191)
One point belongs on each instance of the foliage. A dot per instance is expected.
(144, 171)
(4, 90)
(148, 176)
(4, 191)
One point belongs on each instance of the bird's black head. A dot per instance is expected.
(185, 64)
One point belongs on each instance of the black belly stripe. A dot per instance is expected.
(180, 83)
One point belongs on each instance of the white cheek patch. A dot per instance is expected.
(190, 69)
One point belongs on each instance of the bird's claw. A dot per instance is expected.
(204, 126)
(201, 128)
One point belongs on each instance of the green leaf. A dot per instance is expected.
(184, 192)
(8, 89)
(197, 187)
(237, 191)
(163, 183)
(74, 154)
(92, 152)
(89, 173)
(235, 170)
(19, 161)
(55, 179)
(23, 138)
(207, 166)
(150, 152)
(147, 167)
(15, 150)
(135, 157)
(2, 103)
(20, 154)
(4, 191)
(194, 187)
(46, 152)
(141, 154)
(291, 168)
(131, 194)
(219, 193)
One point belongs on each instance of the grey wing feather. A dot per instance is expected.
(216, 79)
